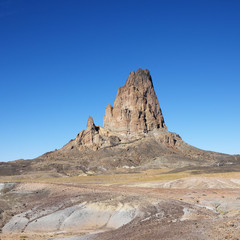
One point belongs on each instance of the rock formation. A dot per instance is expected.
(90, 136)
(136, 108)
(135, 114)
(94, 137)
(134, 135)
(126, 185)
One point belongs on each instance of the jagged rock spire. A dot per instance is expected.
(136, 108)
(90, 124)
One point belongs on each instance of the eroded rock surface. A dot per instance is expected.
(121, 212)
(136, 108)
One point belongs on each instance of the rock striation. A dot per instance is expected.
(136, 108)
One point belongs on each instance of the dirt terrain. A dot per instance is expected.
(153, 204)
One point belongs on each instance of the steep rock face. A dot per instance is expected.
(136, 108)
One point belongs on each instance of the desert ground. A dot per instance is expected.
(147, 204)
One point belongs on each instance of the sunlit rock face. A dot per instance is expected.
(135, 113)
(136, 108)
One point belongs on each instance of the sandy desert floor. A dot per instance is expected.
(152, 204)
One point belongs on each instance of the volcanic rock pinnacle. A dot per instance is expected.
(136, 108)
(90, 124)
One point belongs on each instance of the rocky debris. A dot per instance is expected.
(136, 108)
(169, 139)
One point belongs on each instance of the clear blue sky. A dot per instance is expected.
(61, 61)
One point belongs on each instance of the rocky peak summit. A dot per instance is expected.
(90, 124)
(139, 78)
(136, 108)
